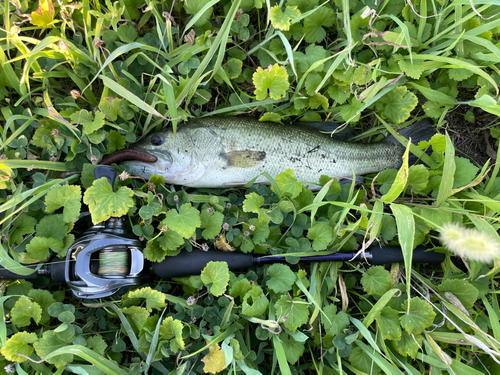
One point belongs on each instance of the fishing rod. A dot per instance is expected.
(107, 259)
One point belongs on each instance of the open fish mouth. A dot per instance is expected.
(129, 154)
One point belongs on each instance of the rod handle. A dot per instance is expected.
(192, 263)
(389, 254)
(6, 274)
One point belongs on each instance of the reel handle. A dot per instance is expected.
(105, 171)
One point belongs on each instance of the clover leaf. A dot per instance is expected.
(67, 196)
(281, 278)
(44, 15)
(397, 104)
(49, 343)
(97, 344)
(462, 289)
(281, 20)
(171, 329)
(216, 276)
(154, 299)
(409, 345)
(321, 235)
(419, 316)
(104, 203)
(215, 360)
(184, 222)
(388, 322)
(292, 311)
(288, 184)
(333, 321)
(89, 122)
(24, 310)
(376, 281)
(314, 23)
(273, 79)
(19, 344)
(293, 349)
(254, 303)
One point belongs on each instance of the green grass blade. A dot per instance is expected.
(413, 148)
(37, 164)
(446, 185)
(433, 95)
(10, 74)
(123, 50)
(218, 42)
(289, 52)
(378, 307)
(131, 97)
(400, 181)
(458, 64)
(279, 352)
(494, 318)
(197, 16)
(97, 360)
(383, 363)
(405, 223)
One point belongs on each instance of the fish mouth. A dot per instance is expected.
(129, 155)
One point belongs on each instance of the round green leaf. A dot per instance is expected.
(216, 276)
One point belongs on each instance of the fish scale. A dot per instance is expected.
(222, 152)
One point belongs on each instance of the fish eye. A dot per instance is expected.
(156, 140)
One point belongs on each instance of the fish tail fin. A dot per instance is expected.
(419, 131)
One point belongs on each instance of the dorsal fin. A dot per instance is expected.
(339, 134)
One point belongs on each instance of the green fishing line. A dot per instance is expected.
(114, 262)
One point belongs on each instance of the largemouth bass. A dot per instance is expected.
(225, 152)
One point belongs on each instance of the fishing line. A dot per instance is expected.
(114, 263)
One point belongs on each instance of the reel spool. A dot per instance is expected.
(114, 263)
(104, 262)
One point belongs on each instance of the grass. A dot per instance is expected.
(81, 80)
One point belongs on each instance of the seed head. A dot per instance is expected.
(75, 94)
(470, 243)
(54, 132)
(210, 210)
(94, 159)
(53, 158)
(63, 46)
(15, 30)
(191, 300)
(164, 228)
(98, 43)
(246, 233)
(228, 205)
(225, 226)
(176, 198)
(151, 186)
(123, 176)
(251, 227)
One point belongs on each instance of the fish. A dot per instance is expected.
(222, 152)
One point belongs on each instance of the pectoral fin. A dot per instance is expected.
(243, 159)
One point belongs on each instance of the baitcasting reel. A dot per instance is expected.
(106, 259)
